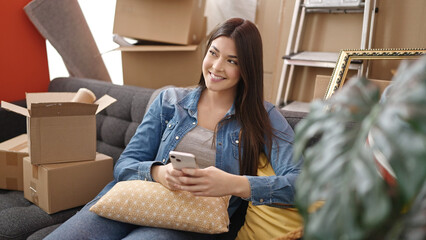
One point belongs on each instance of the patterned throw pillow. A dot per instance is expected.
(148, 203)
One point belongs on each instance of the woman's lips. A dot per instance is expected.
(215, 77)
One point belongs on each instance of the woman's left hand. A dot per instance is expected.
(213, 182)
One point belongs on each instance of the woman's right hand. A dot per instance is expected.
(167, 176)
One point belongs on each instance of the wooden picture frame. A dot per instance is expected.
(346, 56)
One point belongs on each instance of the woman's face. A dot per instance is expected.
(220, 66)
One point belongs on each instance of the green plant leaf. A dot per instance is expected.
(340, 170)
(400, 129)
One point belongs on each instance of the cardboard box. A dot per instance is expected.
(59, 130)
(155, 66)
(169, 21)
(322, 81)
(56, 187)
(12, 153)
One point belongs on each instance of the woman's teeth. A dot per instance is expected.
(215, 77)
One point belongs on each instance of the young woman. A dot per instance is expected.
(224, 122)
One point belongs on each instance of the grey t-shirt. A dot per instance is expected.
(199, 141)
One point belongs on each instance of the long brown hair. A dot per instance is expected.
(256, 129)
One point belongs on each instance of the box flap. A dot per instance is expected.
(48, 97)
(62, 109)
(104, 102)
(158, 48)
(16, 144)
(15, 108)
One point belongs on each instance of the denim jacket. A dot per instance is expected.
(174, 113)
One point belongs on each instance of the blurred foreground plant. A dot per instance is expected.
(341, 170)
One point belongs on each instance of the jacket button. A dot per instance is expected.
(236, 141)
(170, 125)
(194, 123)
(166, 121)
(177, 137)
(164, 160)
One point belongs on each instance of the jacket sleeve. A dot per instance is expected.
(137, 158)
(278, 190)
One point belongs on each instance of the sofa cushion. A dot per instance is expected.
(12, 199)
(293, 118)
(20, 218)
(42, 233)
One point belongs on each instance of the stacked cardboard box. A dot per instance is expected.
(171, 47)
(12, 153)
(56, 164)
(60, 186)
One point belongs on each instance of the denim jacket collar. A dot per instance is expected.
(190, 102)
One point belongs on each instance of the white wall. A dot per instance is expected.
(99, 15)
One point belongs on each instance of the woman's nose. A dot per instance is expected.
(218, 65)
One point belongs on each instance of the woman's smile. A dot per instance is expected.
(220, 66)
(216, 78)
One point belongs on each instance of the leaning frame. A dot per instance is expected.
(346, 56)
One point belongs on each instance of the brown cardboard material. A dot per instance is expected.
(169, 21)
(321, 84)
(56, 187)
(12, 153)
(155, 66)
(59, 130)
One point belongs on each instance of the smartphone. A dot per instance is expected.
(182, 160)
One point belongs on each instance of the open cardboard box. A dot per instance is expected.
(61, 186)
(168, 21)
(12, 153)
(60, 130)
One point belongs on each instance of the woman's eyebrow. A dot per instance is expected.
(217, 50)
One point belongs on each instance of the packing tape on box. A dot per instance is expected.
(11, 183)
(33, 190)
